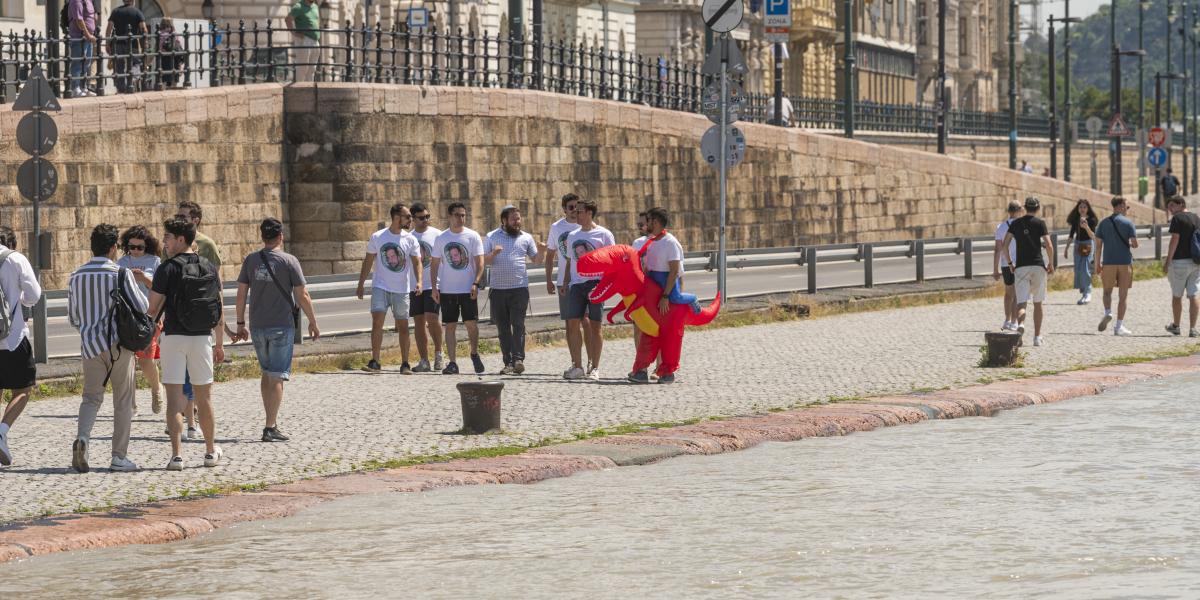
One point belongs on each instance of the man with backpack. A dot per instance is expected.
(1031, 236)
(275, 284)
(187, 291)
(1170, 185)
(18, 373)
(1183, 264)
(1116, 237)
(92, 298)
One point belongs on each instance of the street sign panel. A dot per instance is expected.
(418, 17)
(1158, 136)
(710, 146)
(710, 102)
(722, 15)
(37, 133)
(1118, 128)
(36, 93)
(712, 62)
(1094, 125)
(777, 21)
(1157, 157)
(37, 179)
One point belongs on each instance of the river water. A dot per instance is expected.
(1090, 498)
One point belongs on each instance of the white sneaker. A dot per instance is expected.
(1104, 323)
(438, 363)
(211, 460)
(1038, 340)
(1006, 326)
(574, 373)
(175, 464)
(194, 433)
(1086, 298)
(5, 453)
(123, 465)
(1122, 330)
(594, 374)
(1021, 330)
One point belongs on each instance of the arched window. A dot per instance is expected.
(151, 10)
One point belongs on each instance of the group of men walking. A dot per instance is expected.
(1018, 258)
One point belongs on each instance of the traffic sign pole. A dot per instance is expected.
(724, 124)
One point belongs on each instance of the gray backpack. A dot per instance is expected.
(7, 313)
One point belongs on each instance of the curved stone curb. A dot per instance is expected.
(174, 520)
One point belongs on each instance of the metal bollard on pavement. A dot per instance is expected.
(480, 405)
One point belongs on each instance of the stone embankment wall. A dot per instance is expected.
(330, 159)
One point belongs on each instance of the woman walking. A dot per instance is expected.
(1083, 222)
(141, 258)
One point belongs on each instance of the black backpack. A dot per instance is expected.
(135, 329)
(1170, 186)
(197, 300)
(64, 19)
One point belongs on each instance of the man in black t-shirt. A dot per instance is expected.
(125, 25)
(1183, 272)
(1031, 236)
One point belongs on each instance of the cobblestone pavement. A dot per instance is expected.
(340, 420)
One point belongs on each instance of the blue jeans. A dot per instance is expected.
(677, 296)
(1083, 268)
(273, 345)
(81, 63)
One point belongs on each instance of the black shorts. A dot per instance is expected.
(454, 305)
(17, 369)
(1010, 278)
(421, 304)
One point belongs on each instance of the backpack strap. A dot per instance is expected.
(3, 259)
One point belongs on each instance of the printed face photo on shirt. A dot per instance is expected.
(581, 247)
(426, 255)
(393, 259)
(562, 244)
(456, 256)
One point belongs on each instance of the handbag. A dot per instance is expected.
(1084, 249)
(262, 255)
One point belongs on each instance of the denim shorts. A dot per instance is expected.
(579, 304)
(273, 345)
(382, 299)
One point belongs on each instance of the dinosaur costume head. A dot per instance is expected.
(619, 268)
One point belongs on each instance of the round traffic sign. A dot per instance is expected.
(1094, 125)
(710, 146)
(1158, 136)
(1157, 157)
(710, 102)
(37, 179)
(37, 133)
(722, 15)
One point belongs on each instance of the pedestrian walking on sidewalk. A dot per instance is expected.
(557, 255)
(457, 268)
(637, 245)
(663, 255)
(1116, 237)
(274, 283)
(18, 373)
(141, 258)
(425, 312)
(509, 250)
(392, 255)
(126, 31)
(304, 20)
(1031, 236)
(1183, 265)
(91, 292)
(207, 249)
(1083, 222)
(1001, 268)
(580, 334)
(1169, 185)
(186, 292)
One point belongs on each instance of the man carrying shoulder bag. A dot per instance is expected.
(274, 283)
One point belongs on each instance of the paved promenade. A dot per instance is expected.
(341, 420)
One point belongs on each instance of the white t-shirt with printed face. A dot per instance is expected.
(1001, 231)
(557, 239)
(426, 240)
(393, 260)
(456, 273)
(662, 251)
(581, 242)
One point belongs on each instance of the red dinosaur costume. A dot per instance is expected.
(620, 268)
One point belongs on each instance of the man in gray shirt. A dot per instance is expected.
(274, 281)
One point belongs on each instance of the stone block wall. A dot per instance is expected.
(130, 160)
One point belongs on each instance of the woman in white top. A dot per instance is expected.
(141, 258)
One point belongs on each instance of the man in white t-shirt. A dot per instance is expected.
(587, 238)
(1001, 268)
(556, 246)
(663, 255)
(637, 245)
(392, 253)
(18, 372)
(421, 305)
(457, 268)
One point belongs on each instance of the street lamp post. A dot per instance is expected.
(1158, 79)
(1068, 108)
(1170, 66)
(1142, 6)
(1114, 141)
(848, 69)
(1184, 96)
(1117, 54)
(1195, 100)
(941, 78)
(1053, 63)
(1012, 84)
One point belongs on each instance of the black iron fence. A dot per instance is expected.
(235, 54)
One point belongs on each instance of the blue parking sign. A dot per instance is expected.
(1157, 157)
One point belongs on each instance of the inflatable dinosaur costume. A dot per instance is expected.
(620, 269)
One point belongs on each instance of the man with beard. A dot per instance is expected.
(508, 250)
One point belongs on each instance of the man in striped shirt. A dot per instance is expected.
(89, 303)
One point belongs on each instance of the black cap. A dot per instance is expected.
(1032, 203)
(270, 228)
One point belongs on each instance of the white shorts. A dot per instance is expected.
(1184, 276)
(1031, 284)
(186, 356)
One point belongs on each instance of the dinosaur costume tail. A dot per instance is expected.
(708, 314)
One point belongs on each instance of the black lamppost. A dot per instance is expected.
(1143, 5)
(1171, 22)
(1012, 84)
(1066, 21)
(1116, 164)
(1195, 100)
(1184, 95)
(1158, 79)
(941, 78)
(1114, 90)
(848, 69)
(206, 11)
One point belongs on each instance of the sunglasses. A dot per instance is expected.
(132, 247)
(421, 217)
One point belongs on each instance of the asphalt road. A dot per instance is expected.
(346, 315)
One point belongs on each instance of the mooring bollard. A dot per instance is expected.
(480, 405)
(1002, 348)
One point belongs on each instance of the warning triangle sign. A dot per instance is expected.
(1118, 128)
(36, 94)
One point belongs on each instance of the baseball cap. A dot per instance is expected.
(1032, 203)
